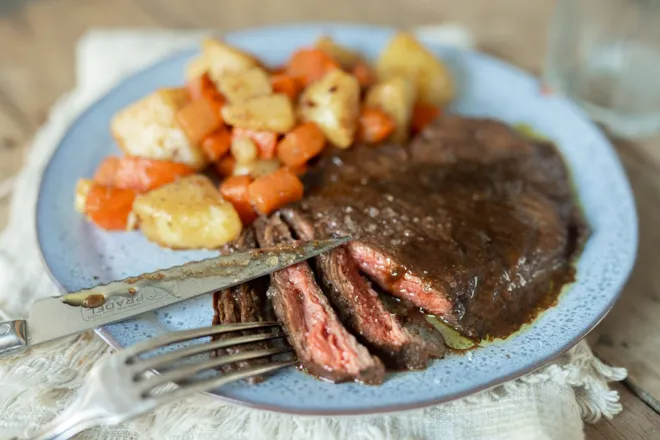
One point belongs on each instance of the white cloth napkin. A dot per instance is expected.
(550, 403)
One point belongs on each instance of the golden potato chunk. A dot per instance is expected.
(396, 97)
(187, 214)
(404, 55)
(270, 112)
(343, 55)
(333, 103)
(148, 128)
(222, 59)
(250, 83)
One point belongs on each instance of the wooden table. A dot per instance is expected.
(37, 40)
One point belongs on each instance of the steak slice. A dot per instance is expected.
(472, 222)
(242, 303)
(324, 347)
(359, 306)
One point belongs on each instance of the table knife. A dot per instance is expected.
(71, 313)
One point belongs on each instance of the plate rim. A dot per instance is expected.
(338, 26)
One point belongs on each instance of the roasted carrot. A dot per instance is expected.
(299, 170)
(309, 65)
(216, 144)
(200, 87)
(363, 73)
(225, 167)
(235, 189)
(301, 144)
(266, 141)
(198, 119)
(139, 174)
(375, 125)
(423, 115)
(283, 83)
(109, 207)
(272, 191)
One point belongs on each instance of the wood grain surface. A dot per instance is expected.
(37, 51)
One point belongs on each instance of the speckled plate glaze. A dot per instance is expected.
(78, 255)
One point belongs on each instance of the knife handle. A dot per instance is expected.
(13, 336)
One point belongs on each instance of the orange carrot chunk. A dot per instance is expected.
(375, 125)
(363, 73)
(266, 141)
(109, 207)
(272, 191)
(200, 86)
(198, 119)
(138, 173)
(225, 167)
(216, 144)
(283, 83)
(309, 65)
(299, 170)
(235, 190)
(301, 144)
(423, 115)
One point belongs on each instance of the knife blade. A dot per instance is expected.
(71, 313)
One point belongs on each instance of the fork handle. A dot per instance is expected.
(13, 336)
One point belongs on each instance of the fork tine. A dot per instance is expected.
(167, 358)
(171, 338)
(186, 371)
(223, 379)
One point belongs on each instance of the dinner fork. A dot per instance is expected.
(117, 389)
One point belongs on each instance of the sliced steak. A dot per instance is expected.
(242, 303)
(359, 306)
(324, 347)
(471, 222)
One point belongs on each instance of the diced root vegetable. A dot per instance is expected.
(283, 83)
(138, 173)
(225, 167)
(187, 214)
(266, 141)
(375, 125)
(200, 86)
(270, 113)
(198, 119)
(263, 167)
(275, 190)
(235, 190)
(217, 144)
(301, 144)
(364, 74)
(245, 84)
(109, 207)
(423, 115)
(343, 55)
(82, 190)
(333, 103)
(244, 150)
(299, 170)
(309, 65)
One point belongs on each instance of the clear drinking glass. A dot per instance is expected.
(605, 55)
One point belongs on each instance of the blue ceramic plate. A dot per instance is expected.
(80, 255)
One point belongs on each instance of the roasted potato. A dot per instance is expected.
(148, 128)
(187, 214)
(250, 83)
(404, 55)
(222, 59)
(82, 189)
(257, 168)
(333, 103)
(396, 97)
(270, 112)
(343, 55)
